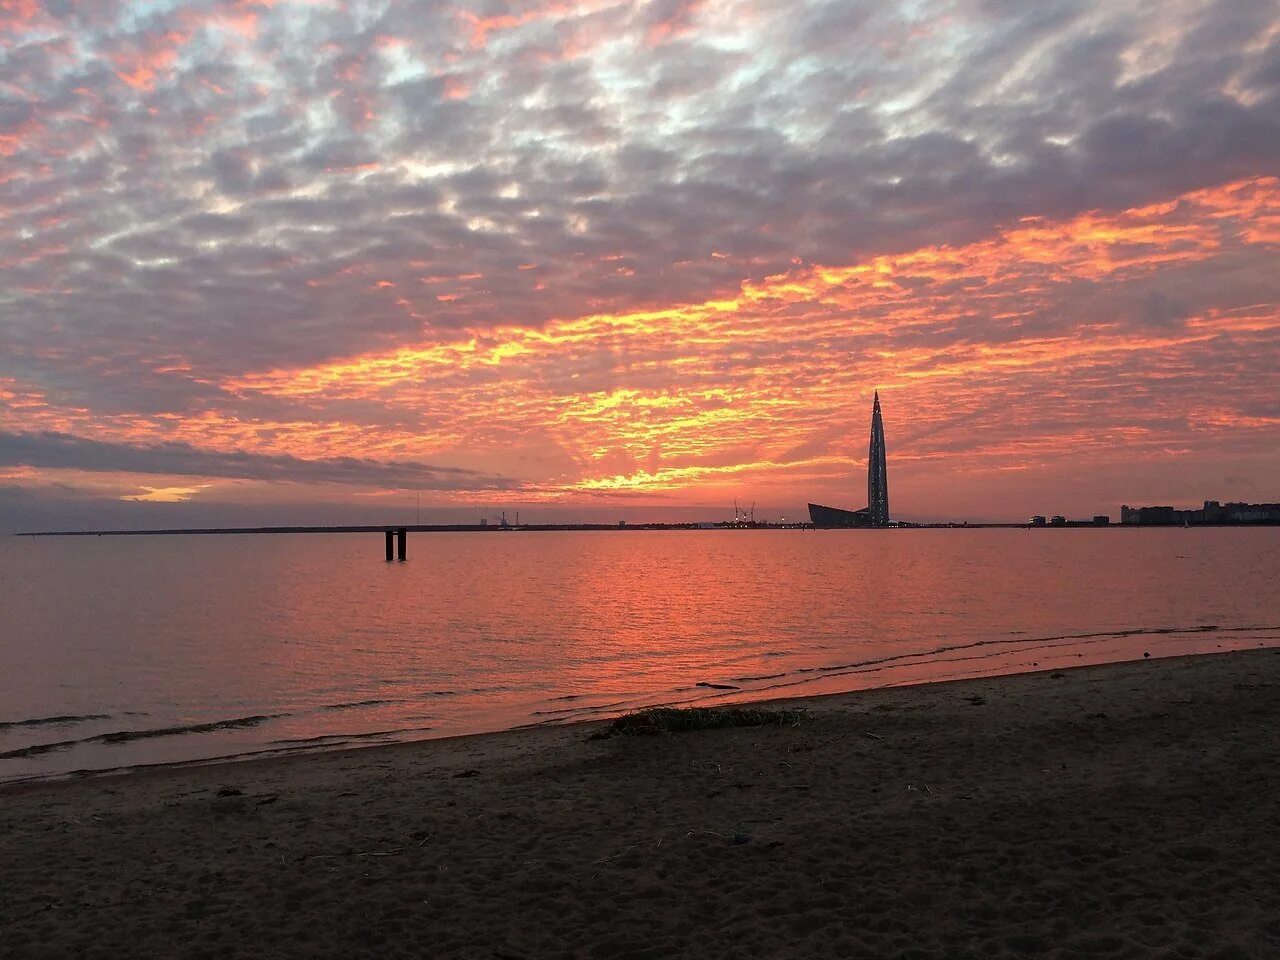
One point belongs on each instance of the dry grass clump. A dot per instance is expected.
(680, 720)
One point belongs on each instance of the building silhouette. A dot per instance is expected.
(876, 512)
(877, 470)
(1212, 513)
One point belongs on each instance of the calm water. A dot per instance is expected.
(116, 652)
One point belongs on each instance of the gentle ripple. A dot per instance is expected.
(118, 652)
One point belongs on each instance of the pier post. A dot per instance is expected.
(402, 537)
(389, 553)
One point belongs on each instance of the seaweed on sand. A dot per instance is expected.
(680, 720)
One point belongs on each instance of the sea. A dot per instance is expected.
(126, 652)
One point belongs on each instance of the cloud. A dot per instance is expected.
(61, 451)
(200, 193)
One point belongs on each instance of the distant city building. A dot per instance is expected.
(876, 512)
(1212, 512)
(1100, 520)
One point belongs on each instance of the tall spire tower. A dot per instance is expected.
(877, 471)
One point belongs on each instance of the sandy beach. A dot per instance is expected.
(1116, 811)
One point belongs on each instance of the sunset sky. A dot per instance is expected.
(305, 260)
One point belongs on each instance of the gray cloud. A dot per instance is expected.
(65, 452)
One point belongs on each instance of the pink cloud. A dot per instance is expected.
(141, 69)
(17, 16)
(677, 22)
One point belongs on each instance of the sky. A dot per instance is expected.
(319, 261)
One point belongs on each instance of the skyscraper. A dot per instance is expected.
(877, 470)
(876, 512)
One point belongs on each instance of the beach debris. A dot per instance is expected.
(716, 686)
(929, 790)
(976, 700)
(1057, 676)
(1097, 716)
(1145, 654)
(38, 910)
(872, 736)
(664, 720)
(621, 853)
(395, 852)
(464, 774)
(229, 792)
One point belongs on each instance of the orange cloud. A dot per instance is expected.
(1015, 351)
(729, 386)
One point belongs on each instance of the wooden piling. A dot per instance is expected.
(402, 538)
(390, 535)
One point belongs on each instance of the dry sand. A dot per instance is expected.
(1118, 811)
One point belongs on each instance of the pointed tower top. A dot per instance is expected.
(876, 405)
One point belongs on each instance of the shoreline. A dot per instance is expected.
(812, 703)
(1104, 810)
(924, 668)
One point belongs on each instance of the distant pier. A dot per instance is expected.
(396, 535)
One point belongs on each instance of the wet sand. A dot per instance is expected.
(1116, 811)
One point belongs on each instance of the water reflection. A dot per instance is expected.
(485, 631)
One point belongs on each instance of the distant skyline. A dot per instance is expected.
(302, 259)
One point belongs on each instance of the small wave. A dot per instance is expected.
(345, 737)
(592, 708)
(51, 721)
(1008, 641)
(123, 736)
(976, 650)
(126, 736)
(426, 694)
(359, 703)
